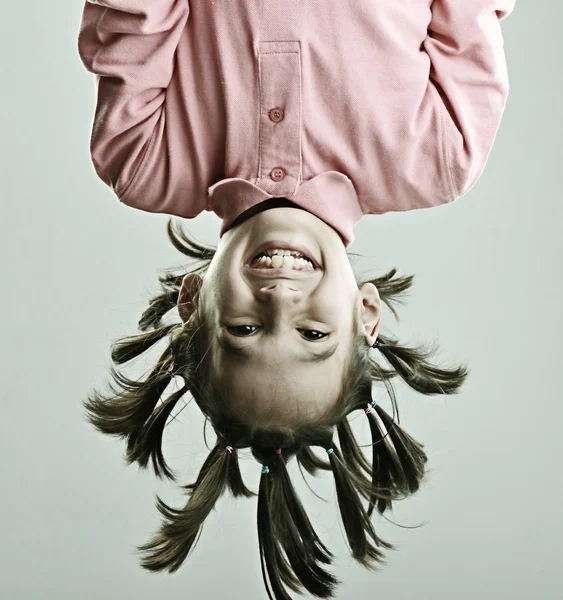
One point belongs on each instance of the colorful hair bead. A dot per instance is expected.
(330, 451)
(279, 451)
(265, 469)
(230, 449)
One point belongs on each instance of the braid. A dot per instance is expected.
(284, 529)
(170, 546)
(359, 529)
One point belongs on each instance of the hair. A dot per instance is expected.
(291, 553)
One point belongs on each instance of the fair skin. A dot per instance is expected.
(266, 328)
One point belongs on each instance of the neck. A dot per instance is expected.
(262, 206)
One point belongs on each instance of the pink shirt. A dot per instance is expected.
(344, 108)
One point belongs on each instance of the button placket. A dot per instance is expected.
(279, 164)
(276, 115)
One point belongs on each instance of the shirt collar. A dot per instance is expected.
(329, 196)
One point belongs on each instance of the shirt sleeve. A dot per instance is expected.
(469, 70)
(130, 46)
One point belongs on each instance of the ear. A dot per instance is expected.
(371, 311)
(189, 295)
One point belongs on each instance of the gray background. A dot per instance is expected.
(78, 269)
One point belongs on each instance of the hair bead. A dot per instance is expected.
(230, 449)
(265, 469)
(370, 407)
(330, 451)
(279, 451)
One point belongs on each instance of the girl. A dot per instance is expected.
(290, 121)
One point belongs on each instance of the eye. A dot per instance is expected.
(242, 330)
(313, 335)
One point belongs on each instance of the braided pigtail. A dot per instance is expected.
(170, 546)
(380, 485)
(290, 549)
(359, 529)
(275, 569)
(171, 283)
(145, 443)
(399, 468)
(411, 364)
(130, 412)
(234, 476)
(410, 454)
(307, 459)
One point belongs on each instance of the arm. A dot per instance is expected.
(130, 45)
(469, 70)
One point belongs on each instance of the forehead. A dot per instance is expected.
(274, 380)
(273, 391)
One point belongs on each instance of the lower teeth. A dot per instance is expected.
(288, 262)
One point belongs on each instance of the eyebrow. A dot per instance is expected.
(244, 351)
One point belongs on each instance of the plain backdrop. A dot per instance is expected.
(78, 269)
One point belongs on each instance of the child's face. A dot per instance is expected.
(268, 347)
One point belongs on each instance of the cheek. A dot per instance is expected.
(337, 303)
(229, 293)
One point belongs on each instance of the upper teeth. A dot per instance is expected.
(283, 258)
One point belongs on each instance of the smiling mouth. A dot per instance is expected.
(283, 256)
(282, 259)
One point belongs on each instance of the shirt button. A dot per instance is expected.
(276, 115)
(277, 174)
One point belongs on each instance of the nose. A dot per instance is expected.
(279, 294)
